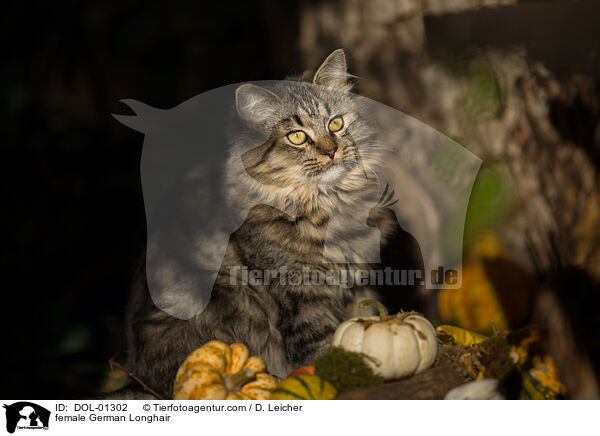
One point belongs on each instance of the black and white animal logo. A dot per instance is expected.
(26, 415)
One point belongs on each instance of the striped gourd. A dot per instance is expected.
(304, 387)
(217, 371)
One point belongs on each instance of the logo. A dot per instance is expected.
(26, 415)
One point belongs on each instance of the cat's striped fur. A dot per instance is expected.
(316, 188)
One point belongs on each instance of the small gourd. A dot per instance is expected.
(308, 369)
(395, 346)
(217, 371)
(541, 381)
(304, 387)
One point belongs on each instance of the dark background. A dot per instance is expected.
(71, 197)
(72, 206)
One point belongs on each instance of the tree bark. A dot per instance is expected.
(433, 384)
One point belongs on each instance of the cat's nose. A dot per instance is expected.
(330, 153)
(327, 146)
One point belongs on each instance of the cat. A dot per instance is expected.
(315, 167)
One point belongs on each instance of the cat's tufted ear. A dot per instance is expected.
(333, 71)
(256, 105)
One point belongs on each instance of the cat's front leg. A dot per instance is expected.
(307, 323)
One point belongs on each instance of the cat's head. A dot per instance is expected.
(315, 131)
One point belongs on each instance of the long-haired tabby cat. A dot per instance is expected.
(315, 164)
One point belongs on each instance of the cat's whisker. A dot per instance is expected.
(383, 194)
(380, 162)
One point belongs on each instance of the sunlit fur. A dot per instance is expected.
(301, 180)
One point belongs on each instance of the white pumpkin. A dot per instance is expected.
(395, 346)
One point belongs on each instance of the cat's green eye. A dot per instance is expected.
(336, 124)
(297, 137)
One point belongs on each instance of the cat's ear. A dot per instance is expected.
(333, 71)
(256, 105)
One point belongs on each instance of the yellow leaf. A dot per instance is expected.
(462, 336)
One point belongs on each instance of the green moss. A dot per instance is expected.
(346, 370)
